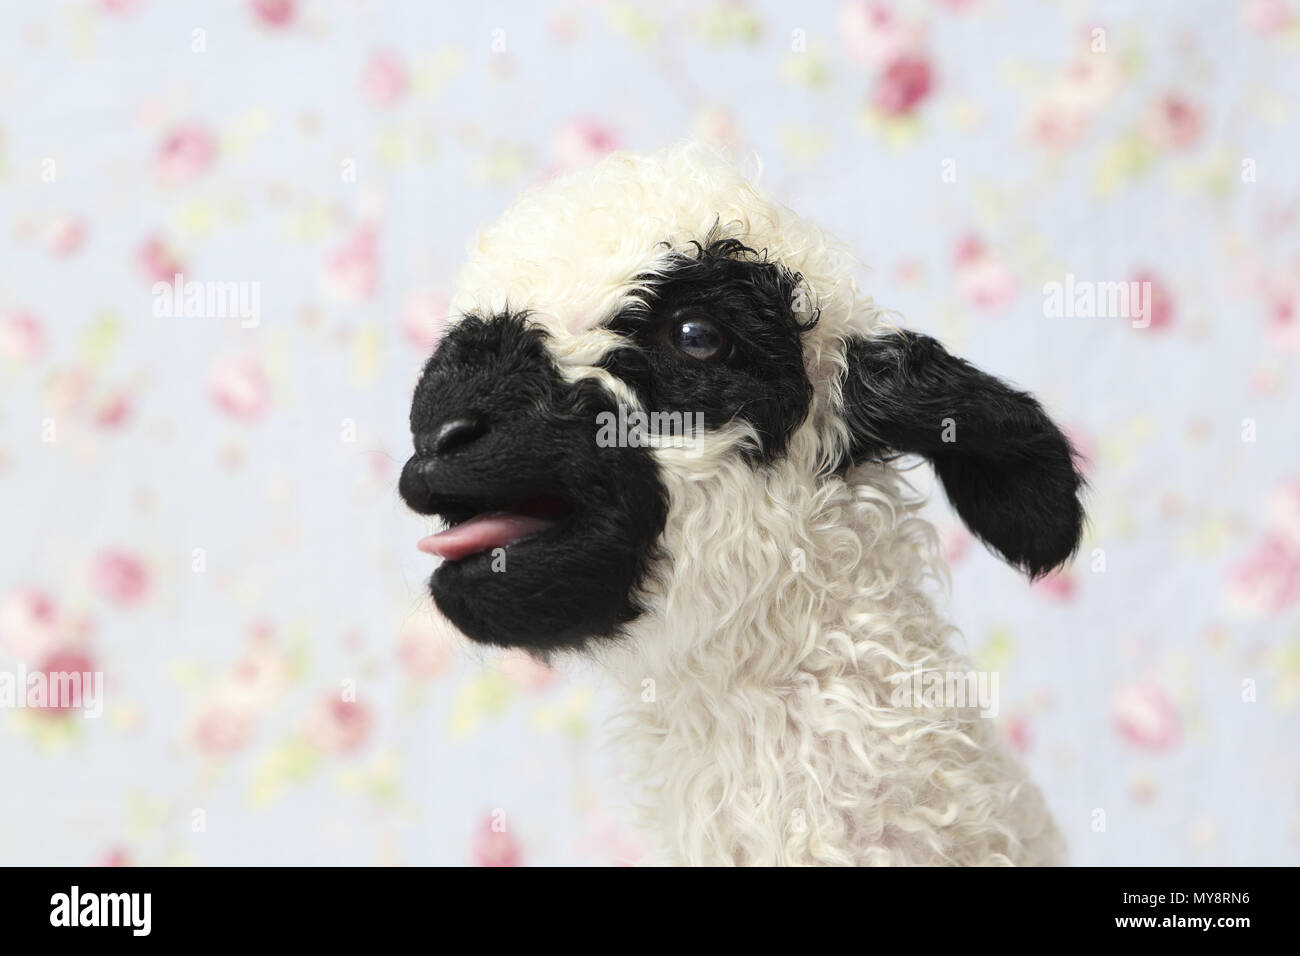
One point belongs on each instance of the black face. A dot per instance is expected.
(552, 532)
(556, 532)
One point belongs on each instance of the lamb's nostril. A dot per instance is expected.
(457, 433)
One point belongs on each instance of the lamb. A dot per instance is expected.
(760, 589)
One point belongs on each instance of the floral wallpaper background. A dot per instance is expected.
(204, 508)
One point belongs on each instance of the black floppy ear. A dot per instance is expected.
(1007, 469)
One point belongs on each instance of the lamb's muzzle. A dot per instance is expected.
(763, 576)
(547, 533)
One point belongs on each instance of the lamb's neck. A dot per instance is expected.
(793, 639)
(759, 688)
(777, 707)
(755, 749)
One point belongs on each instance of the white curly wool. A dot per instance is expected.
(758, 684)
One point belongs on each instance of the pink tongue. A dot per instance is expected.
(482, 533)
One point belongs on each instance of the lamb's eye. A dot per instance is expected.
(699, 338)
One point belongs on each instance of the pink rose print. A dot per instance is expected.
(1090, 80)
(113, 411)
(717, 126)
(1284, 513)
(1145, 716)
(220, 726)
(384, 80)
(338, 726)
(1085, 448)
(1284, 316)
(239, 387)
(1017, 731)
(381, 464)
(1062, 114)
(954, 543)
(581, 142)
(115, 856)
(606, 839)
(1056, 125)
(67, 388)
(64, 235)
(873, 35)
(562, 26)
(120, 578)
(66, 693)
(274, 13)
(1059, 586)
(185, 155)
(524, 670)
(1161, 302)
(422, 649)
(158, 261)
(983, 281)
(494, 844)
(22, 339)
(424, 317)
(1267, 580)
(1173, 122)
(29, 624)
(352, 272)
(259, 677)
(1267, 16)
(903, 85)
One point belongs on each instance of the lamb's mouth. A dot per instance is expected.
(481, 526)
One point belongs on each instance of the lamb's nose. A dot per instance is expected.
(457, 433)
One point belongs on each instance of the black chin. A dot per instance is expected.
(570, 584)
